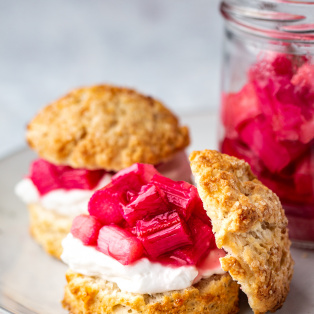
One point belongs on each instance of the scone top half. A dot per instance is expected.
(106, 127)
(250, 224)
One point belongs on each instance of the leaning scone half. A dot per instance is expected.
(249, 226)
(85, 137)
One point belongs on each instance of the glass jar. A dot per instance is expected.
(267, 106)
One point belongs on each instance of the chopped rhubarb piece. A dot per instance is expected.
(200, 213)
(44, 176)
(304, 174)
(107, 203)
(275, 65)
(144, 171)
(151, 225)
(150, 201)
(259, 136)
(282, 65)
(203, 241)
(237, 108)
(287, 122)
(278, 142)
(80, 178)
(86, 228)
(48, 177)
(181, 195)
(163, 233)
(119, 244)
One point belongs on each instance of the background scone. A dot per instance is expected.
(88, 135)
(106, 127)
(251, 226)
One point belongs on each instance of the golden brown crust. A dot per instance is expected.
(87, 295)
(250, 224)
(106, 127)
(49, 228)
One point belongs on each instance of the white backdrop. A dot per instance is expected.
(169, 49)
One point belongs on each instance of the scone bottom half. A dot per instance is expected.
(249, 223)
(142, 215)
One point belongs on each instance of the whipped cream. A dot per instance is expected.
(143, 276)
(75, 202)
(65, 202)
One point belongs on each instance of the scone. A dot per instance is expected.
(148, 247)
(249, 224)
(83, 139)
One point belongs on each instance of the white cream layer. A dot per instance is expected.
(65, 202)
(74, 202)
(142, 276)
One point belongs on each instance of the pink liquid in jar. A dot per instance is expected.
(270, 124)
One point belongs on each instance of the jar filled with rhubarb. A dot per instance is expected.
(267, 101)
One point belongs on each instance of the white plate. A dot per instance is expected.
(33, 282)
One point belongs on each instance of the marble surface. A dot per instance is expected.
(169, 49)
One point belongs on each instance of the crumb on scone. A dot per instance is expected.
(49, 228)
(90, 295)
(106, 127)
(250, 224)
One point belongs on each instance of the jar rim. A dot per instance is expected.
(280, 22)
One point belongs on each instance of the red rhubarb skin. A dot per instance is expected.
(48, 177)
(270, 124)
(144, 214)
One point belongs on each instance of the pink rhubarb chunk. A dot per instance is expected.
(107, 203)
(260, 138)
(150, 201)
(48, 177)
(237, 108)
(82, 179)
(119, 244)
(203, 241)
(181, 195)
(163, 233)
(154, 218)
(86, 228)
(44, 176)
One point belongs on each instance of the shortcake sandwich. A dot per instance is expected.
(82, 140)
(153, 245)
